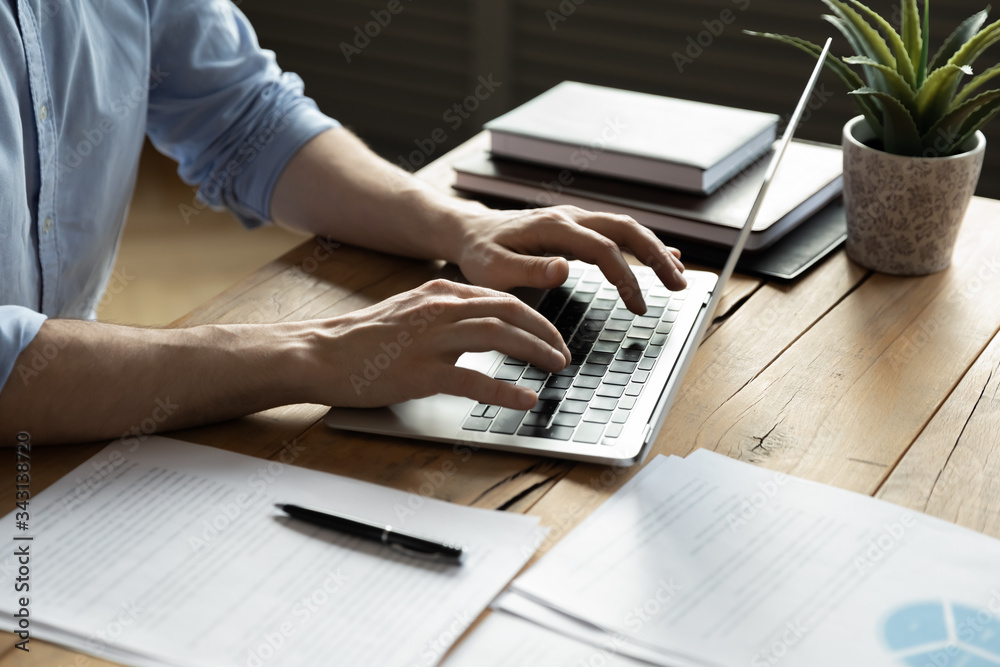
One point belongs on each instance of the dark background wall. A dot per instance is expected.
(398, 89)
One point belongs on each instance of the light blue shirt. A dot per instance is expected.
(82, 82)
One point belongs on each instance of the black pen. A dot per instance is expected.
(394, 539)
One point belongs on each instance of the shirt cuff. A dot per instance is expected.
(18, 327)
(276, 143)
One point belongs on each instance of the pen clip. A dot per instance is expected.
(425, 555)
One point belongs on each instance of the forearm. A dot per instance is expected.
(81, 381)
(335, 186)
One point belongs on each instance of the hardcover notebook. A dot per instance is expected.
(810, 177)
(664, 141)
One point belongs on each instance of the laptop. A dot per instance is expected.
(609, 404)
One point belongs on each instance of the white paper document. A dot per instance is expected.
(717, 562)
(175, 554)
(505, 640)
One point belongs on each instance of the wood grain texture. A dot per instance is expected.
(952, 471)
(844, 402)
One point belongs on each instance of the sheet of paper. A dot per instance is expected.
(735, 564)
(505, 640)
(175, 553)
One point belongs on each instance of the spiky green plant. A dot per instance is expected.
(915, 104)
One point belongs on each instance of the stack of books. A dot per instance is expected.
(688, 169)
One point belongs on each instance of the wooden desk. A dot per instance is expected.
(884, 386)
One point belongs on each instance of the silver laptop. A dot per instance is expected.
(609, 404)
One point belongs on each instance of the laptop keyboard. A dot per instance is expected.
(614, 350)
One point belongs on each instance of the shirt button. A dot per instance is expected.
(43, 113)
(47, 225)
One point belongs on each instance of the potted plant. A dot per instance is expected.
(912, 159)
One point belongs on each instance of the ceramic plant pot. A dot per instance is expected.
(904, 213)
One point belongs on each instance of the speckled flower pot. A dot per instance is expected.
(904, 213)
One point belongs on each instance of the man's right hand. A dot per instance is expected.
(406, 347)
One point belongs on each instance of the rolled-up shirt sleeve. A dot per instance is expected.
(18, 327)
(221, 106)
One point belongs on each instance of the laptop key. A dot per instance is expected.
(658, 339)
(605, 346)
(634, 344)
(644, 334)
(589, 432)
(597, 315)
(616, 378)
(587, 381)
(533, 385)
(664, 327)
(653, 351)
(629, 355)
(626, 403)
(507, 421)
(645, 322)
(559, 382)
(602, 358)
(477, 424)
(580, 394)
(511, 361)
(537, 419)
(509, 373)
(612, 336)
(654, 311)
(647, 363)
(553, 432)
(602, 304)
(592, 325)
(604, 403)
(569, 371)
(612, 390)
(479, 410)
(534, 373)
(595, 370)
(620, 417)
(551, 394)
(669, 316)
(491, 411)
(623, 367)
(614, 430)
(633, 389)
(623, 314)
(598, 416)
(545, 407)
(566, 419)
(574, 407)
(640, 376)
(617, 325)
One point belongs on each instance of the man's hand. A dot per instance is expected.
(406, 347)
(506, 249)
(336, 187)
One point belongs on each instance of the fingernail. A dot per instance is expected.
(558, 359)
(679, 277)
